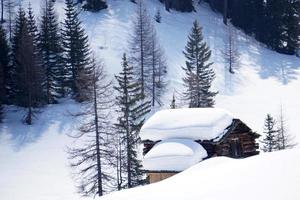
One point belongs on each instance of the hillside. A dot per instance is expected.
(224, 178)
(264, 81)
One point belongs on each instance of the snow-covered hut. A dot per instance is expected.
(176, 139)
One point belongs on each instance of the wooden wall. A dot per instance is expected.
(155, 177)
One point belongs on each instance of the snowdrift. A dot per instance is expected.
(270, 176)
(174, 155)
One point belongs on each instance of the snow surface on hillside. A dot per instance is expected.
(33, 161)
(267, 176)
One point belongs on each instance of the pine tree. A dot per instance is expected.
(32, 28)
(4, 63)
(2, 93)
(157, 16)
(95, 5)
(292, 22)
(91, 157)
(76, 47)
(269, 141)
(198, 72)
(52, 54)
(132, 109)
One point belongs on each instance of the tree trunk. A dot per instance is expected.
(99, 171)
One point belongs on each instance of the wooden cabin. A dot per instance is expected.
(217, 131)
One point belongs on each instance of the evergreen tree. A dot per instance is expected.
(183, 6)
(198, 72)
(95, 5)
(32, 28)
(52, 54)
(292, 22)
(132, 109)
(4, 63)
(90, 157)
(2, 93)
(269, 141)
(75, 44)
(157, 16)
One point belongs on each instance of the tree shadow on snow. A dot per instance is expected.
(53, 119)
(271, 64)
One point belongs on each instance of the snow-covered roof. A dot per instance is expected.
(188, 123)
(174, 155)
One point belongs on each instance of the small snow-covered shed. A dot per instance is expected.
(176, 139)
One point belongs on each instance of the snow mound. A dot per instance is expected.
(189, 123)
(174, 155)
(272, 176)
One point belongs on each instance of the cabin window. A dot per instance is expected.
(235, 148)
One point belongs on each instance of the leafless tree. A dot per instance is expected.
(10, 10)
(90, 157)
(285, 140)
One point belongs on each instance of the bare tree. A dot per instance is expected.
(2, 11)
(30, 74)
(285, 140)
(140, 46)
(10, 10)
(158, 72)
(91, 156)
(230, 52)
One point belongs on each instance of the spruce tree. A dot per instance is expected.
(31, 25)
(76, 47)
(292, 22)
(157, 16)
(5, 67)
(198, 72)
(95, 5)
(270, 141)
(132, 109)
(52, 54)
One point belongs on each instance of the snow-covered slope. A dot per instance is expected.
(33, 162)
(272, 176)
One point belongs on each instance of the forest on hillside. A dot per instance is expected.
(47, 60)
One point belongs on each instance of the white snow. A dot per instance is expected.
(173, 155)
(33, 161)
(270, 176)
(189, 123)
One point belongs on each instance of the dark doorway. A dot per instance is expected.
(235, 148)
